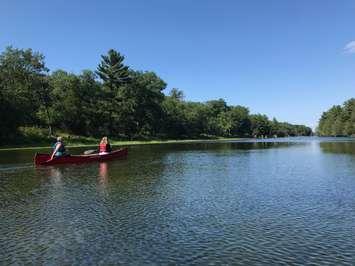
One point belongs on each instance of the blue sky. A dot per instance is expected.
(288, 59)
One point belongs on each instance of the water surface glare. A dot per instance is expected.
(284, 202)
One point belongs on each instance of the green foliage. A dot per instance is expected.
(21, 88)
(74, 101)
(177, 94)
(260, 125)
(175, 117)
(146, 93)
(118, 102)
(241, 122)
(338, 120)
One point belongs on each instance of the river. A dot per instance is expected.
(279, 201)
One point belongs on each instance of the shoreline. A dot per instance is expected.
(122, 143)
(141, 142)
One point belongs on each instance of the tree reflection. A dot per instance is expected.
(338, 147)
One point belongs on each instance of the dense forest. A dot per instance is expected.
(116, 101)
(338, 120)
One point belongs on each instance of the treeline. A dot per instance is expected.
(116, 101)
(338, 120)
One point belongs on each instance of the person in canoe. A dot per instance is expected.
(58, 148)
(104, 147)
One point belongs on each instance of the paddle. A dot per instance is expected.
(90, 152)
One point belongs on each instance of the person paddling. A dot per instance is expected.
(58, 148)
(104, 146)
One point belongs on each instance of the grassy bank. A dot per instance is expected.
(34, 138)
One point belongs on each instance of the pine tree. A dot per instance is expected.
(112, 70)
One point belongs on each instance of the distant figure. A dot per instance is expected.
(104, 147)
(58, 148)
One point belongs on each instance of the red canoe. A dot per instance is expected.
(44, 159)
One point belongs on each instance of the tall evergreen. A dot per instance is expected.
(112, 71)
(113, 108)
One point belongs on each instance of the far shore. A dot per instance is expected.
(91, 142)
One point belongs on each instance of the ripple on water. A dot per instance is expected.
(288, 205)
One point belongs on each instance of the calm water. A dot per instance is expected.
(276, 202)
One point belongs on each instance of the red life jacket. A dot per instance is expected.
(103, 147)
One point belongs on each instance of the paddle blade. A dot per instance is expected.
(90, 152)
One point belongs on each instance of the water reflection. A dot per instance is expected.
(55, 176)
(225, 147)
(103, 173)
(103, 176)
(338, 147)
(26, 156)
(250, 203)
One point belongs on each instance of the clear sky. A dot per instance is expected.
(289, 59)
